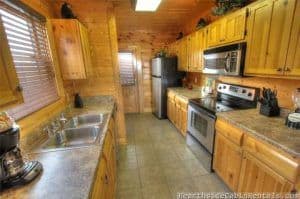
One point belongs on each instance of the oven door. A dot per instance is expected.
(201, 125)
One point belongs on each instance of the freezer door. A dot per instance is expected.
(157, 96)
(157, 67)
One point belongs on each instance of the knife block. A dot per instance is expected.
(269, 111)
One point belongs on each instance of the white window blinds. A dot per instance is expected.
(127, 75)
(28, 43)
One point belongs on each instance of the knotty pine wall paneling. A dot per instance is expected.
(148, 43)
(103, 77)
(285, 87)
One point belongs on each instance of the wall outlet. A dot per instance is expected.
(196, 80)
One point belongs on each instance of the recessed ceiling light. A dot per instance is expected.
(147, 5)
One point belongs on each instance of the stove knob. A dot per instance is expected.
(249, 94)
(244, 91)
(224, 87)
(220, 87)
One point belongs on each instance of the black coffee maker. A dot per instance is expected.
(14, 171)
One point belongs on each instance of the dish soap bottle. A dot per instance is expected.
(78, 103)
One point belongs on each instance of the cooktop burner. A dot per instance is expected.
(211, 104)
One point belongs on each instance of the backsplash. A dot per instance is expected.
(285, 87)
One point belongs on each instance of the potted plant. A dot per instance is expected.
(224, 6)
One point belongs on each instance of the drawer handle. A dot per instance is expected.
(106, 179)
(279, 69)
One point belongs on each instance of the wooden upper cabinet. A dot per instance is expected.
(73, 48)
(10, 90)
(235, 26)
(269, 27)
(198, 41)
(293, 55)
(257, 177)
(230, 28)
(182, 54)
(213, 34)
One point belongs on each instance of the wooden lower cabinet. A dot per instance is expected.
(227, 161)
(105, 181)
(248, 165)
(257, 177)
(177, 112)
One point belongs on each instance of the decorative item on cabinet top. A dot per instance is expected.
(224, 6)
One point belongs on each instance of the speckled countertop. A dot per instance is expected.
(187, 93)
(269, 129)
(68, 173)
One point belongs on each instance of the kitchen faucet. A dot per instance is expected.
(57, 128)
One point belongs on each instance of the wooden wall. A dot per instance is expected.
(285, 87)
(148, 44)
(103, 77)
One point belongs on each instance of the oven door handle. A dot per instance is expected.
(227, 64)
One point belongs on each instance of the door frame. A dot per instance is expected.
(138, 70)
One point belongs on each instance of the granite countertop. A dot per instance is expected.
(269, 129)
(69, 172)
(187, 93)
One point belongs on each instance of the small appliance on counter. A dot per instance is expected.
(14, 171)
(293, 119)
(269, 103)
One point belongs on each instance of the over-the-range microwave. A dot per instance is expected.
(225, 60)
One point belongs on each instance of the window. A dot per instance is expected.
(127, 76)
(28, 43)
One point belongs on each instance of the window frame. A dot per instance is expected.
(8, 58)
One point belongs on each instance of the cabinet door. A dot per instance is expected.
(182, 55)
(293, 55)
(258, 29)
(100, 185)
(85, 45)
(213, 35)
(169, 108)
(183, 123)
(235, 26)
(10, 91)
(69, 48)
(196, 51)
(280, 29)
(227, 161)
(269, 32)
(256, 177)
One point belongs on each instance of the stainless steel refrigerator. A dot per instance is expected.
(164, 75)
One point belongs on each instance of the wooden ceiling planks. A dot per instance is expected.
(169, 17)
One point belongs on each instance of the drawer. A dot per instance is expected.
(171, 95)
(231, 132)
(182, 102)
(281, 162)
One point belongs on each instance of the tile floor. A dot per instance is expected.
(157, 164)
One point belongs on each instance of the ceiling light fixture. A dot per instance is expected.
(147, 5)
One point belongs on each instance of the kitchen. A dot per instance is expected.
(129, 99)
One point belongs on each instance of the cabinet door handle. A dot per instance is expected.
(105, 179)
(287, 69)
(19, 88)
(279, 69)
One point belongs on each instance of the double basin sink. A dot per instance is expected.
(81, 130)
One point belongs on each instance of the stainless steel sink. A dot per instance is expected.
(75, 137)
(86, 120)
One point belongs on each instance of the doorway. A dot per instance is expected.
(129, 82)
